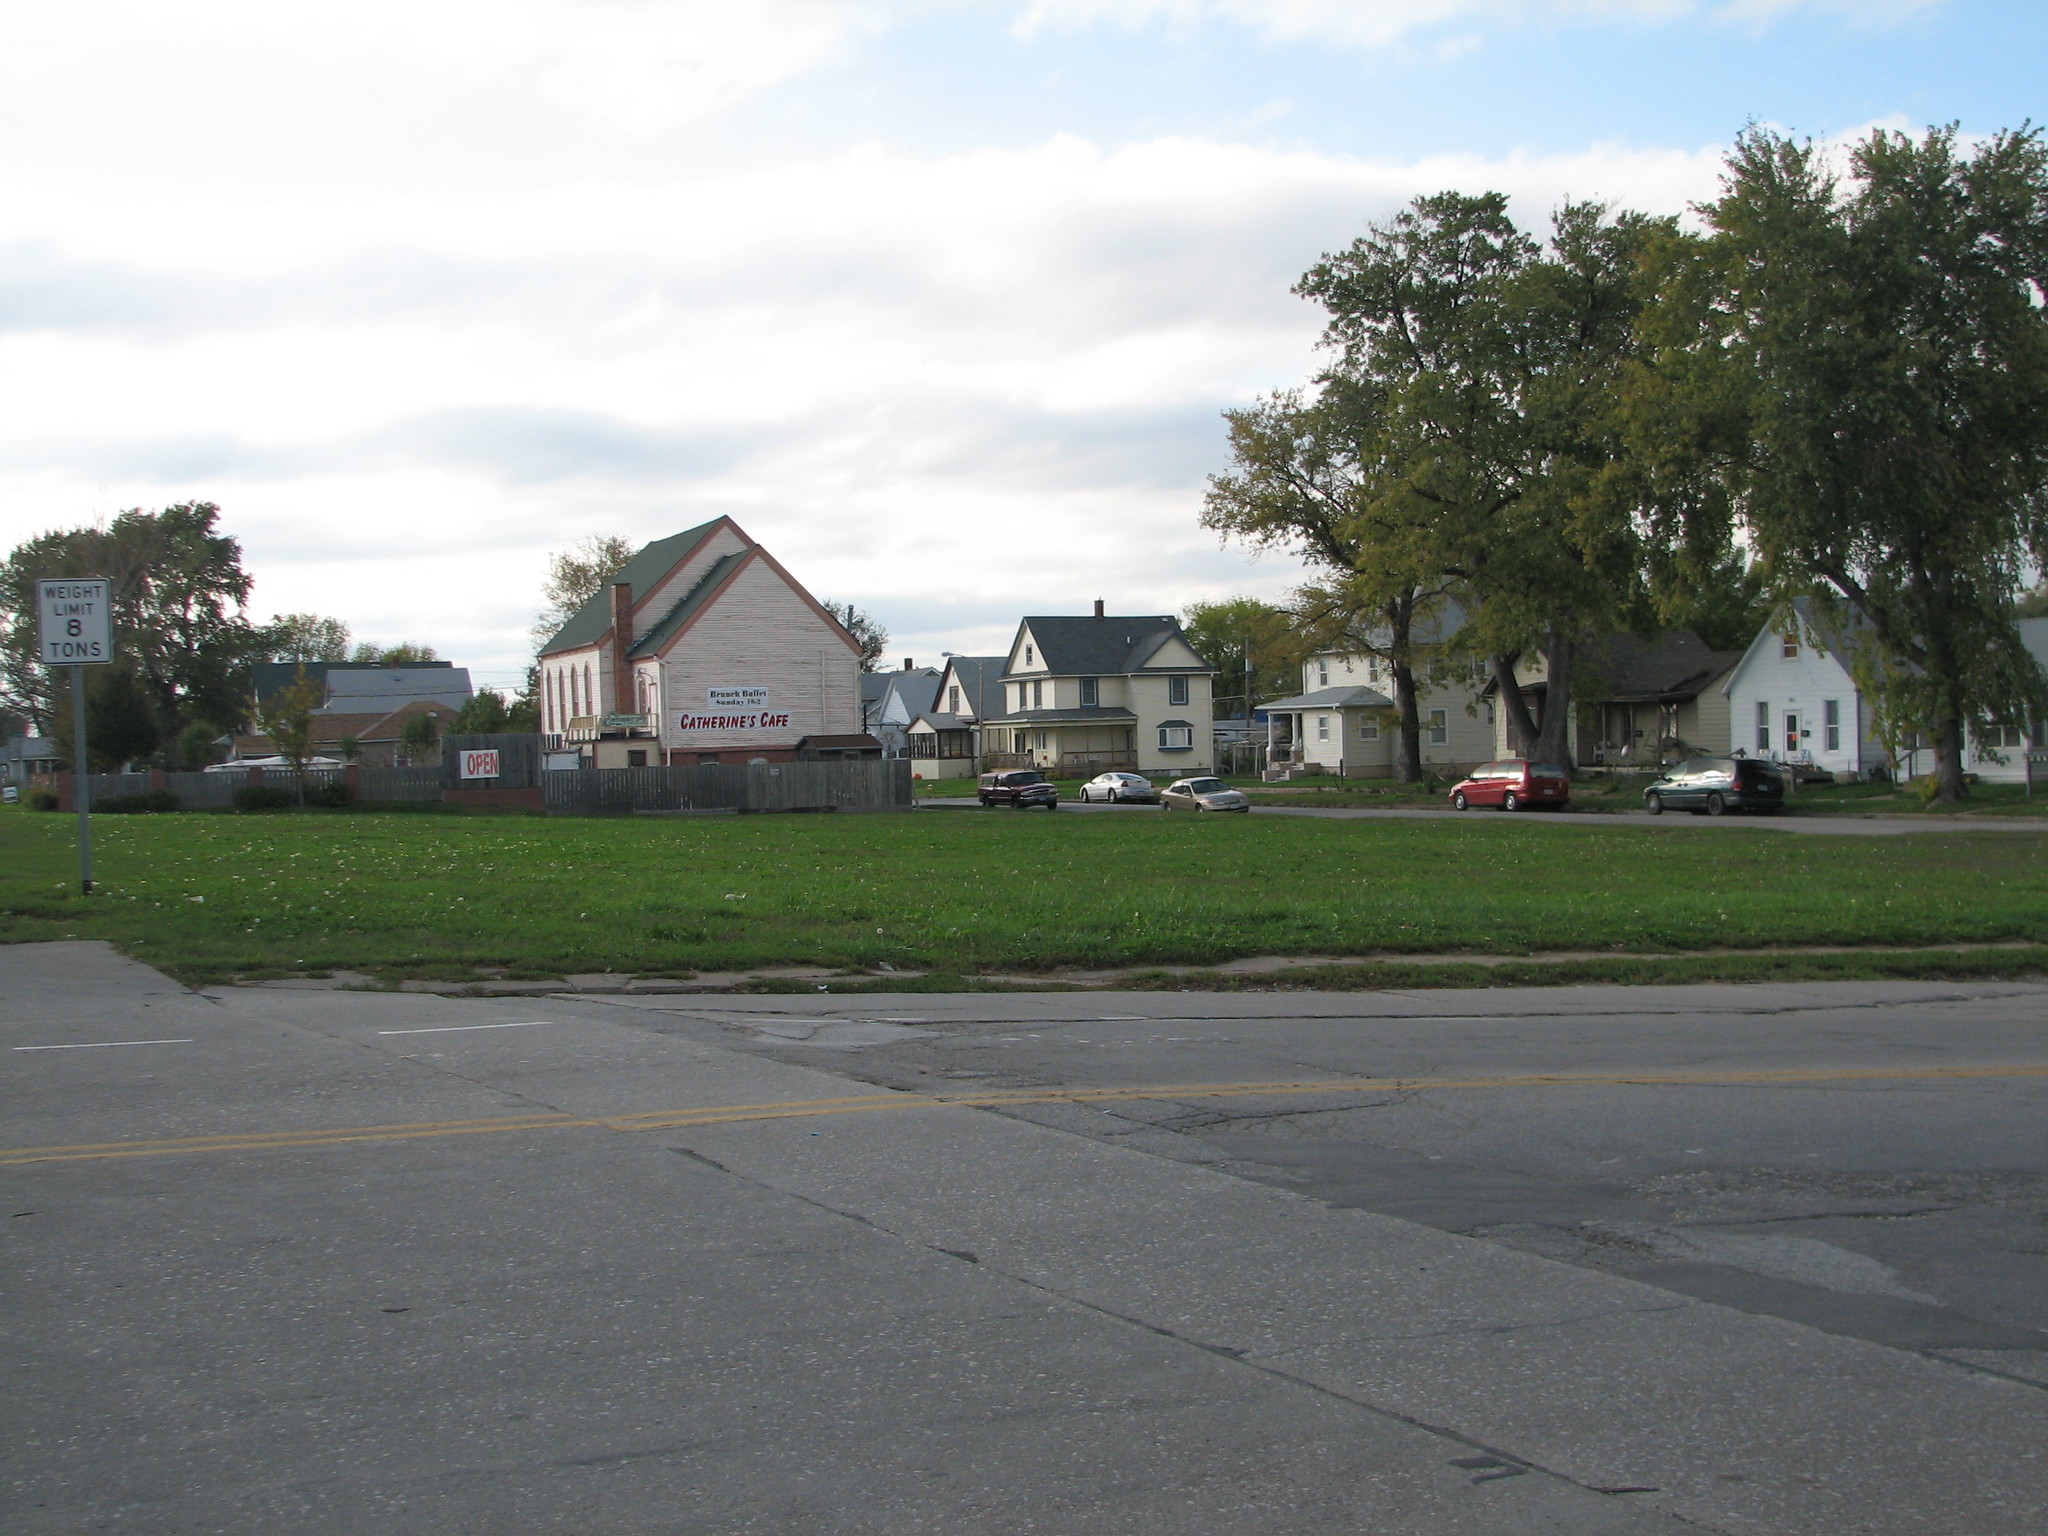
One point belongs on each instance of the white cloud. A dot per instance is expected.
(952, 388)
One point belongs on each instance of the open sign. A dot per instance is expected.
(480, 765)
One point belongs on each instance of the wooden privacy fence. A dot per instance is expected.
(216, 791)
(852, 784)
(518, 760)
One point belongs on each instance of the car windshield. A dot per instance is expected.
(1207, 786)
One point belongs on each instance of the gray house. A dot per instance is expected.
(26, 755)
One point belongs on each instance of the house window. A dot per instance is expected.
(1038, 697)
(1763, 725)
(1667, 722)
(1322, 674)
(1789, 646)
(952, 701)
(1439, 727)
(636, 757)
(1027, 657)
(1176, 738)
(1041, 741)
(1090, 693)
(1322, 727)
(1176, 690)
(1998, 734)
(1368, 729)
(1831, 722)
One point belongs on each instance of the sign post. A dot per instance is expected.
(78, 632)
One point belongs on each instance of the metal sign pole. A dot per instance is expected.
(81, 779)
(78, 631)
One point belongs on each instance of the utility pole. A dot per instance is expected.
(78, 632)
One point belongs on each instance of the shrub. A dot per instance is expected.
(334, 794)
(263, 797)
(42, 799)
(153, 801)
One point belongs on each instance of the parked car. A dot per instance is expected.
(1118, 788)
(1203, 795)
(1019, 787)
(1512, 783)
(1711, 785)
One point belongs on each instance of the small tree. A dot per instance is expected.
(306, 637)
(349, 748)
(1251, 642)
(196, 744)
(288, 721)
(421, 737)
(406, 653)
(484, 715)
(872, 638)
(575, 576)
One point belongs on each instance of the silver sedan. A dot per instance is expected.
(1204, 795)
(1120, 788)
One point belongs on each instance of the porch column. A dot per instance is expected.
(1272, 725)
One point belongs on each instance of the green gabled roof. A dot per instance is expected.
(594, 618)
(689, 604)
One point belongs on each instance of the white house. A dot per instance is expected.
(1080, 695)
(1793, 698)
(703, 649)
(1344, 722)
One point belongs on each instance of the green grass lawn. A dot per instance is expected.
(206, 897)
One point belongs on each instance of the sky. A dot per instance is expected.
(942, 301)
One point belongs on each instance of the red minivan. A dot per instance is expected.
(1512, 783)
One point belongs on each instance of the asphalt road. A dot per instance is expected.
(1816, 825)
(289, 1261)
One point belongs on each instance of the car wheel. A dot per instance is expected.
(1653, 803)
(1084, 797)
(1715, 804)
(1460, 801)
(1511, 801)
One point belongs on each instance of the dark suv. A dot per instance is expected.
(1717, 784)
(1021, 787)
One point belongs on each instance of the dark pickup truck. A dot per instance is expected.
(1020, 787)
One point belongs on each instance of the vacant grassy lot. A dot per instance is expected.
(438, 895)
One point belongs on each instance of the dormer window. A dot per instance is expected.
(1790, 646)
(1027, 656)
(952, 701)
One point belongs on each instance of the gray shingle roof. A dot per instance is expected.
(1673, 666)
(980, 680)
(1334, 698)
(589, 623)
(1092, 647)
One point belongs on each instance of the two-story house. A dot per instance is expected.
(1081, 695)
(945, 741)
(1344, 722)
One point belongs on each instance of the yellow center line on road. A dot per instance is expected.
(795, 1109)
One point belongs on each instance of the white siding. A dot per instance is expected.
(760, 633)
(1801, 685)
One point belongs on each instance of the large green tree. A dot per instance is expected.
(178, 593)
(1315, 477)
(306, 637)
(1862, 367)
(1251, 642)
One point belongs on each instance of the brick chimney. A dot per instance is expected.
(909, 662)
(622, 641)
(1098, 607)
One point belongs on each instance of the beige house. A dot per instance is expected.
(945, 741)
(702, 650)
(1344, 722)
(1081, 695)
